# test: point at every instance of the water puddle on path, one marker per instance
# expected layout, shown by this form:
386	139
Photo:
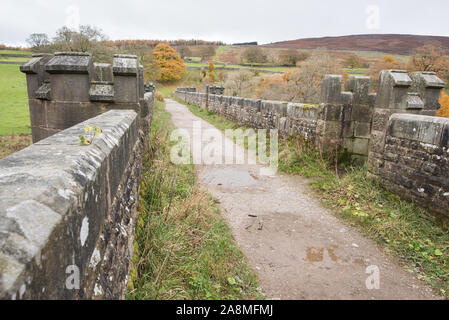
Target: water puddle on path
228	178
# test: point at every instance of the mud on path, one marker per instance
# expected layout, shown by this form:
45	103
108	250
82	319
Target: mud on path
297	247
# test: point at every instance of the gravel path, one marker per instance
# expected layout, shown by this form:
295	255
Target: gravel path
297	247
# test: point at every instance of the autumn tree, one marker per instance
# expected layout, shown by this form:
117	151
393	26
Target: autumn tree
184	51
386	63
211	67
430	58
389	59
171	66
254	55
207	52
303	84
444	102
291	57
353	61
238	83
151	69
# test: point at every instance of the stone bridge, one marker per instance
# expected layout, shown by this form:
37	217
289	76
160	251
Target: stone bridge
68	211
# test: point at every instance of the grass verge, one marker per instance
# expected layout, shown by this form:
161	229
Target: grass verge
405	230
183	247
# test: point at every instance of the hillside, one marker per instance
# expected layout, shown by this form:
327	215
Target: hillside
389	43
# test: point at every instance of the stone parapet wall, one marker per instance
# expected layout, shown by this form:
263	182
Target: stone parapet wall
68	212
353	120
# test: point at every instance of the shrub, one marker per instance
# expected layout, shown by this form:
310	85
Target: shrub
159	96
444	101
171	66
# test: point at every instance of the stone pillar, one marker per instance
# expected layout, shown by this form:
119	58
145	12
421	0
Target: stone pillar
126	68
37	78
333	105
400	93
357	122
428	86
68	88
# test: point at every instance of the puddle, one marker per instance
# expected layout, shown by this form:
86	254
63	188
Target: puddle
228	178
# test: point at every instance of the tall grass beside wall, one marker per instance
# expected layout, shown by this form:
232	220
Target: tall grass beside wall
183	247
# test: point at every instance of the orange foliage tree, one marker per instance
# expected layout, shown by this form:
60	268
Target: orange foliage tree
171	66
444	101
430	58
386	63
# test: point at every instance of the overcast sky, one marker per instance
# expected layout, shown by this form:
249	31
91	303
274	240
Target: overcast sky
226	20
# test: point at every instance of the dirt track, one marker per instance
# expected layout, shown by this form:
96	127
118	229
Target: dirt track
298	248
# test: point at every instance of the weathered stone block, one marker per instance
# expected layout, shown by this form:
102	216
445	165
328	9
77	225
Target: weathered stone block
70	62
331	89
362	129
428	86
393	89
360	146
360	87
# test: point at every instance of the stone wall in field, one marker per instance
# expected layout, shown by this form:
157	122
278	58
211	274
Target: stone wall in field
67	210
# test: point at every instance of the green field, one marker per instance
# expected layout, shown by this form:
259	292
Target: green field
26	53
19	59
14	113
236	66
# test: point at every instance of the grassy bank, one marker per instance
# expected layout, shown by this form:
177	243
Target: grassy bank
183	247
15	117
405	230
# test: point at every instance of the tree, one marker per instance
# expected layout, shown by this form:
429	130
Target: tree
386	63
444	101
211	67
238	83
430	58
37	40
254	55
171	66
291	57
303	84
87	39
207	52
353	61
389	59
151	69
184	51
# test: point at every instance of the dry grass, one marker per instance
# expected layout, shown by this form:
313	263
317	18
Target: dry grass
11	144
